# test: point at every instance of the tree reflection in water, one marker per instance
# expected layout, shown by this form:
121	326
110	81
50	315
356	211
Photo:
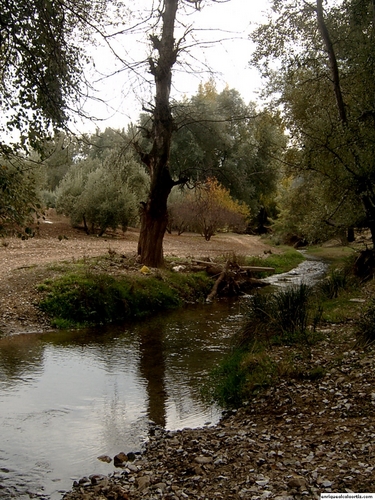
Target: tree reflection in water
152	368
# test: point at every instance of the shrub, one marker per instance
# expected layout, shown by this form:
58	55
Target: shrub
208	210
336	281
287	316
241	375
102	195
365	326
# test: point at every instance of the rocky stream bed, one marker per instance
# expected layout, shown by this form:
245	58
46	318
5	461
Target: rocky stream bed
297	440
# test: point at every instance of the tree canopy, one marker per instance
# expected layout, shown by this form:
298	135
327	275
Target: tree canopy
41	65
319	64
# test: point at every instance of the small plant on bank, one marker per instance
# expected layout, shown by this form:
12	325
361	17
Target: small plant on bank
239	376
284	317
337	281
365	326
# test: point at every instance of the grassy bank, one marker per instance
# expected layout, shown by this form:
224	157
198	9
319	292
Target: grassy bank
83	298
110	289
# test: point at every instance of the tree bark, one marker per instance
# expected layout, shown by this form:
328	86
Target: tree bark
154	215
332	61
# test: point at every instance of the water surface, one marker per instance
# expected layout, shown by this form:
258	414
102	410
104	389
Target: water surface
68	397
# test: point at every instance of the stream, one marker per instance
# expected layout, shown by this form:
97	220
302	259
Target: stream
68	397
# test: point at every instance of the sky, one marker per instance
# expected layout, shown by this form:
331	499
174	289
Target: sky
228	59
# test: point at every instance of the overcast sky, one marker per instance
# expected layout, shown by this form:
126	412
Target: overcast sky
228	59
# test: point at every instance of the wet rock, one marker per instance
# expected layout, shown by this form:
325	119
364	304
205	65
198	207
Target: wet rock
105	458
119	459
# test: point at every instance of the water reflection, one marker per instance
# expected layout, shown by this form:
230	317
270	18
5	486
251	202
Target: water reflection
71	396
152	369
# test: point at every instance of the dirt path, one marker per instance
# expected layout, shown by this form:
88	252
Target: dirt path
22	262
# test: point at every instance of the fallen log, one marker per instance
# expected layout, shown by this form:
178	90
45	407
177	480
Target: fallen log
222	275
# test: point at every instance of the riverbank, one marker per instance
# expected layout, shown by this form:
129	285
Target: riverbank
26	263
297	440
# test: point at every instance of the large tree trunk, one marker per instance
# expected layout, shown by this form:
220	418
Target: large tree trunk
154	219
154	215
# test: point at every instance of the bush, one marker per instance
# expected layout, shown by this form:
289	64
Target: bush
287	316
102	195
365	327
337	280
240	376
208	210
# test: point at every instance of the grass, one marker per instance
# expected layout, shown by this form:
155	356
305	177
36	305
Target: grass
282	262
337	254
241	374
280	337
83	298
284	317
365	327
337	290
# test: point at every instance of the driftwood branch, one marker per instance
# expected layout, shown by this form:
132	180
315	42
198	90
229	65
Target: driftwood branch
222	275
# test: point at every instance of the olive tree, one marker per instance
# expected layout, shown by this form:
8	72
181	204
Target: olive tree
103	195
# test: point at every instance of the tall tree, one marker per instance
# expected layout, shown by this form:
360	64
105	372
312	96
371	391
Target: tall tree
154	214
325	82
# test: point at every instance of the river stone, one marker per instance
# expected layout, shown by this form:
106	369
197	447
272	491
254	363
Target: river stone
297	482
160	486
119	459
326	484
105	458
203	460
143	482
132	467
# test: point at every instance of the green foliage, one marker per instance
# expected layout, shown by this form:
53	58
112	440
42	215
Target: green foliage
228	389
313	221
240	376
104	194
41	64
281	262
19	200
85	298
218	135
365	325
287	316
336	281
330	161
